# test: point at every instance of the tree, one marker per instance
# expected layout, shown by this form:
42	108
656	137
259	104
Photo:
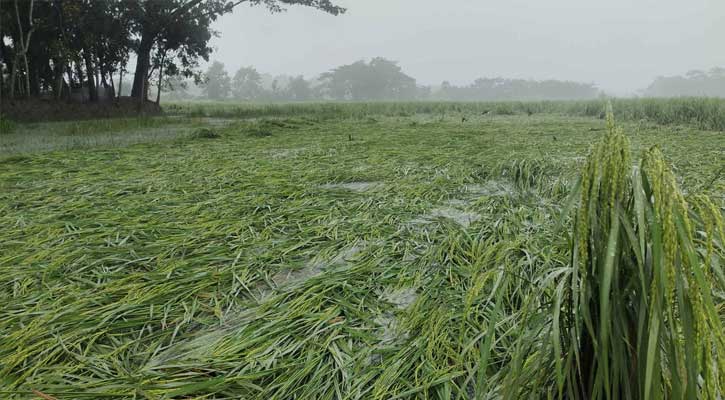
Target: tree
22	42
397	85
299	89
217	84
94	36
483	89
247	84
380	79
175	88
694	83
81	43
157	20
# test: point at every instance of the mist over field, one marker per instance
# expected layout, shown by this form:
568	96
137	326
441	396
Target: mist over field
620	45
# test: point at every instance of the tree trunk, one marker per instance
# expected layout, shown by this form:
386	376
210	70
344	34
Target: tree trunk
120	82
144	92
143	62
148	38
107	89
3	59
90	72
100	77
27	74
17	49
23	45
13	77
69	71
113	86
59	80
161	75
79	73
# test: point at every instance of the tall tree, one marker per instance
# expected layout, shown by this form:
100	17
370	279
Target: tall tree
298	89
24	34
694	83
175	88
79	44
247	84
158	19
380	79
484	89
217	84
95	35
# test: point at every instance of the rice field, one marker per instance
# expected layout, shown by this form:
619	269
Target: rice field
365	254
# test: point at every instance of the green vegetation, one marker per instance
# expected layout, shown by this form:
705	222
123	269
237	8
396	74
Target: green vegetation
383	251
702	113
45	42
378	79
694	83
639	316
120	132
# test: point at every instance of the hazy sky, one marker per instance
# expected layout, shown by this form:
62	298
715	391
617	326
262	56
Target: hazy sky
621	45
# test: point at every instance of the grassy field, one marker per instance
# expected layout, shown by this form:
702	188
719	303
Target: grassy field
365	251
104	133
702	113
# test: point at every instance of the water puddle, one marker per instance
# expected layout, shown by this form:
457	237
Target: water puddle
490	188
285	153
316	267
461	217
352	186
401	298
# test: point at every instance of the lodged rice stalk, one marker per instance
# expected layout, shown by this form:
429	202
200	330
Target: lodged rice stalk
127	276
636	317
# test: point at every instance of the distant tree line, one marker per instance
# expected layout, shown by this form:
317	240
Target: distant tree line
695	83
374	80
378	79
517	89
382	79
66	48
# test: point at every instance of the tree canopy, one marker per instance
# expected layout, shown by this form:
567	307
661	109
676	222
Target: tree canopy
247	84
382	79
67	46
517	89
379	79
217	85
695	83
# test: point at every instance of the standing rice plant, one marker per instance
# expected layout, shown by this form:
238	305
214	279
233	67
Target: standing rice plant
636	316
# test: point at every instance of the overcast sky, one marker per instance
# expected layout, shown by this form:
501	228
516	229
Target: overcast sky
621	45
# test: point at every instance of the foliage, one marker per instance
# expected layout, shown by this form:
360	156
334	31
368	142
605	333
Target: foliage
517	89
175	88
379	79
701	113
217	84
694	83
82	43
247	84
298	89
106	133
